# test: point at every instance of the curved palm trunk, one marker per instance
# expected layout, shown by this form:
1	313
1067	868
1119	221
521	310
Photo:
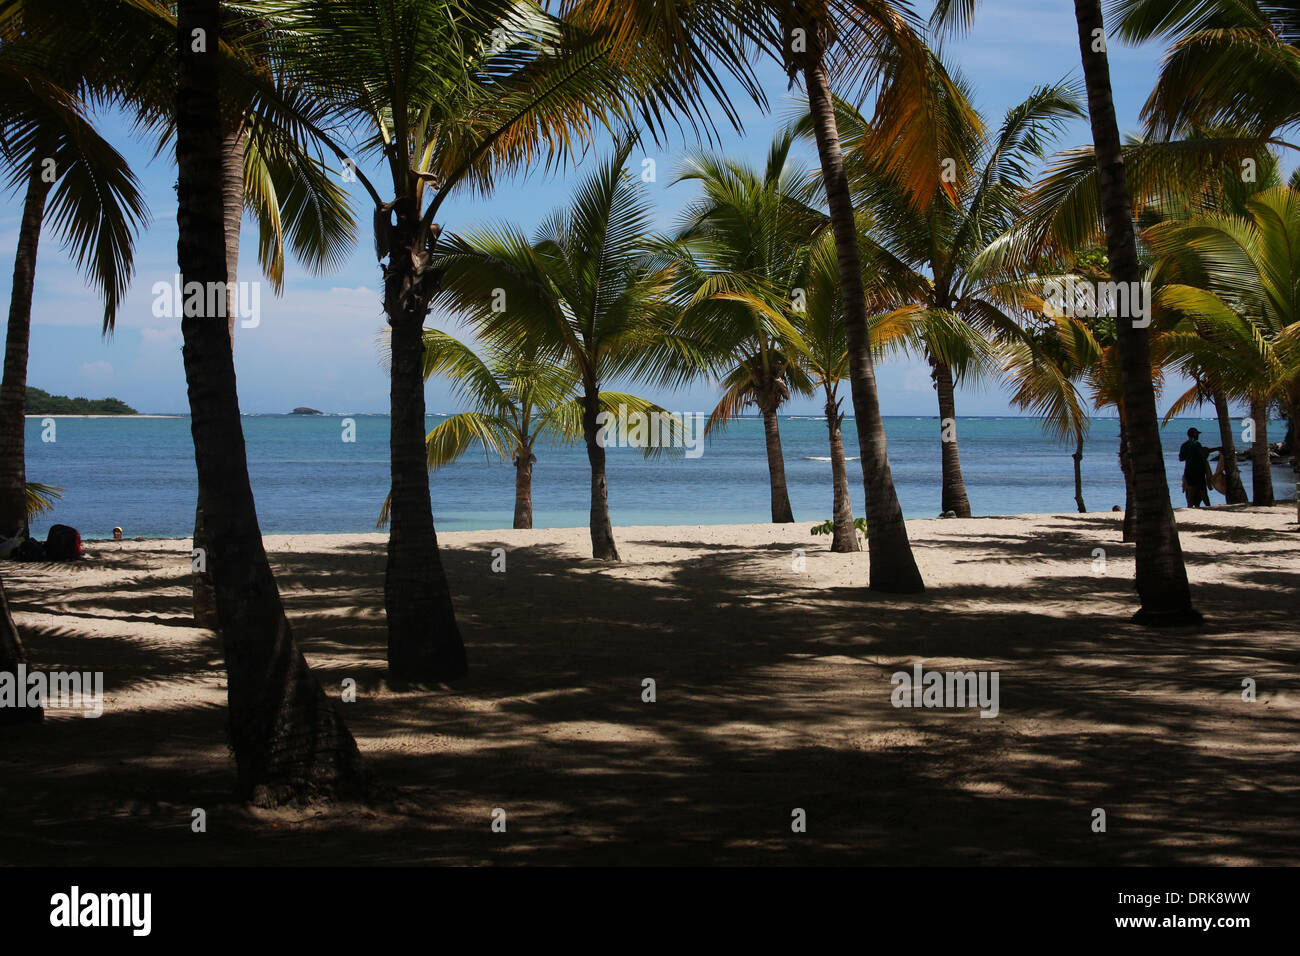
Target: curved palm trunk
844	538
1166	598
290	744
1261	468
1236	494
232	204
13	390
602	531
781	512
12	654
1078	474
524	462
954	485
893	568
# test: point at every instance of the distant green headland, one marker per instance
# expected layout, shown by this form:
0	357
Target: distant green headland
43	403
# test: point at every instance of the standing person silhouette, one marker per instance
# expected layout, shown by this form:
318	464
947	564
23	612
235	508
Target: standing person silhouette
1196	473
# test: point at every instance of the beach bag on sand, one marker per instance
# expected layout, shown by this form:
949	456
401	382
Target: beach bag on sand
1219	480
62	543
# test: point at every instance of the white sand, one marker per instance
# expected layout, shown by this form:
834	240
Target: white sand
773	693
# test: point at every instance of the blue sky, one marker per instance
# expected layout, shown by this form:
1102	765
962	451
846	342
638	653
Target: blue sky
316	344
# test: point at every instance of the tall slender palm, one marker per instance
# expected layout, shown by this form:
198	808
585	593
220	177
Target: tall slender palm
863	42
443	94
70	176
737	253
516	401
963	291
588	291
1161	574
820	324
289	742
814	40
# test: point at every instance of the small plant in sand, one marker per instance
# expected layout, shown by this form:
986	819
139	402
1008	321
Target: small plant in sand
828	527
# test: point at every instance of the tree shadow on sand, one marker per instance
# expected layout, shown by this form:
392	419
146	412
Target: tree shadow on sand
772	693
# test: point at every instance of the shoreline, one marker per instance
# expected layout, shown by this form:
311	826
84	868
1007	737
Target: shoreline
953	524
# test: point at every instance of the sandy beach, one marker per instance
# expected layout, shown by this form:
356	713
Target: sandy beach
773	693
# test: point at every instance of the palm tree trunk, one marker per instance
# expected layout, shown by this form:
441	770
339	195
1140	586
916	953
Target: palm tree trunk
1078	474
1166	598
1236	494
232	204
893	568
1293	402
13	390
954	485
844	538
1261	468
12	654
602	531
424	642
524	462
1126	468
290	744
781	512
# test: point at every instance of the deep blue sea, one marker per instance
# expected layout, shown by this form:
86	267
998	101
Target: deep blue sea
138	473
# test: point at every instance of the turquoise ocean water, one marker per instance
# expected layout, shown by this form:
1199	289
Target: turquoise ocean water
139	473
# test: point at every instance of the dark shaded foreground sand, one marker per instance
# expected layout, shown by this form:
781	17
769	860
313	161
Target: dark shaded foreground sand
773	691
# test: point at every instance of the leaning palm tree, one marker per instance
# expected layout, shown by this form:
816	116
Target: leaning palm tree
289	743
1161	577
737	253
587	292
964	294
444	94
71	178
517	401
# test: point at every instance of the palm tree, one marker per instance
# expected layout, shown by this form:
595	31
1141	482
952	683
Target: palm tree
516	401
269	171
864	37
587	292
445	95
1238	275
13	654
962	288
1232	63
737	256
1161	574
1044	368
864	42
820	325
289	743
71	175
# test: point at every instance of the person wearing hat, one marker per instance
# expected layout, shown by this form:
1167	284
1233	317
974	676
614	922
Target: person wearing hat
1196	473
